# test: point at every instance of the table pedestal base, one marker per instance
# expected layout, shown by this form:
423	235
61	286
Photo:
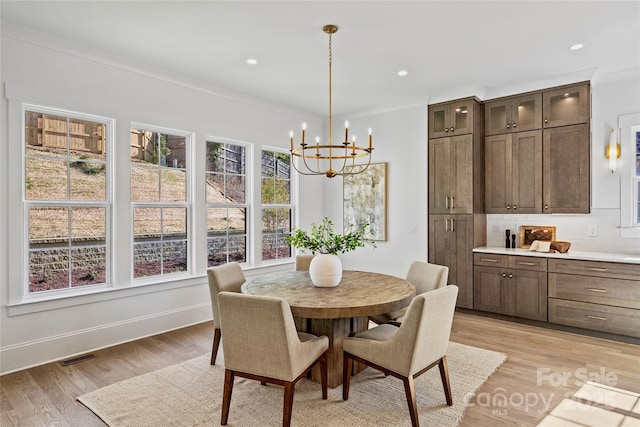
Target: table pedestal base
336	330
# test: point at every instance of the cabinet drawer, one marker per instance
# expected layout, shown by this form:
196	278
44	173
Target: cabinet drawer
528	263
615	270
616	320
600	290
491	260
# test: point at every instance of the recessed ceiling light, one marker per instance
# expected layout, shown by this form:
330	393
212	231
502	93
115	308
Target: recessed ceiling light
576	46
403	73
252	61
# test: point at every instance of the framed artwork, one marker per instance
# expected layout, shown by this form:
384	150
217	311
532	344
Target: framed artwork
365	200
529	233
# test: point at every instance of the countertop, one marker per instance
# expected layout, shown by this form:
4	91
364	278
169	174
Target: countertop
591	256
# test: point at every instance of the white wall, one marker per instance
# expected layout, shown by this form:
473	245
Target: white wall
400	140
59	76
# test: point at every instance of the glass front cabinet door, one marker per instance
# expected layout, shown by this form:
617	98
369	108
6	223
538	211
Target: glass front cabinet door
451	118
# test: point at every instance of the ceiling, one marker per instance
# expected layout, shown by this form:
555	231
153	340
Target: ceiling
446	46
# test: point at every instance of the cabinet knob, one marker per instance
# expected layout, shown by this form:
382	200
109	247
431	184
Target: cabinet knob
546	206
515	125
515	207
452	129
507	125
546	120
446	129
511	276
508	207
504	275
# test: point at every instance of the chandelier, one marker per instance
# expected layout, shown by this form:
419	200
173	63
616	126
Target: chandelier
338	159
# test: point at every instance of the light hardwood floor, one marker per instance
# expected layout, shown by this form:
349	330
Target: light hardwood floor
543	366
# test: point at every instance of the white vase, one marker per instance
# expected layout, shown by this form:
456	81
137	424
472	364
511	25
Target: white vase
325	270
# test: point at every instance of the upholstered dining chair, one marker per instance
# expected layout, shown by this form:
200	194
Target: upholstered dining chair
407	351
260	342
425	277
303	262
226	277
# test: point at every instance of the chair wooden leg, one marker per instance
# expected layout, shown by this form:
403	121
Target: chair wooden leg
347	363
288	404
410	391
226	395
444	374
216	343
323	375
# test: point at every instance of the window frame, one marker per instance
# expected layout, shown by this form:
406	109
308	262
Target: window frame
190	140
107	205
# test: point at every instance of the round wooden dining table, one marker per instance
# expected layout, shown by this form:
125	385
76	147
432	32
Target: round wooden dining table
335	312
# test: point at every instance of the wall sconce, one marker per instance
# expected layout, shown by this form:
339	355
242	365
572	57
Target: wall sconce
612	151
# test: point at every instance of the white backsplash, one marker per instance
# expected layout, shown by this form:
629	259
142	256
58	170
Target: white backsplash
571	228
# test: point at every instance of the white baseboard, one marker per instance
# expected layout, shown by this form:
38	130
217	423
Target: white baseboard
38	352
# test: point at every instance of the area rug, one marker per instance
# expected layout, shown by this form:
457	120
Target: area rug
190	394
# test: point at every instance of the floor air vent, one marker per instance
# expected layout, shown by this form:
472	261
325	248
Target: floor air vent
77	359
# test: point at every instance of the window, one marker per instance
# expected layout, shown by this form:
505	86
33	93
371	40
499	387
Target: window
277	206
159	195
629	125
226	198
67	199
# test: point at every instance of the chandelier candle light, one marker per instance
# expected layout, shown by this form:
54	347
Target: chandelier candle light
317	156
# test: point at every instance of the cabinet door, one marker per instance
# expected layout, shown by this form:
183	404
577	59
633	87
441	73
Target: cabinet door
497	117
526	113
461	196
461	265
566	106
526	172
439	247
439	120
565	169
490	292
451	244
440	179
461	113
497	169
528	294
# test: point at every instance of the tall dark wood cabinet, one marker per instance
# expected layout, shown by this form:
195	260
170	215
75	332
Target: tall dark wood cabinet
538	152
457	222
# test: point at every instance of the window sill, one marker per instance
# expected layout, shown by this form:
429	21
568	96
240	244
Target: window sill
103	293
630	233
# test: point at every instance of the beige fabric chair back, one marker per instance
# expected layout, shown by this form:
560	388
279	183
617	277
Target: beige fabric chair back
303	262
223	278
427	277
426	328
423	336
260	337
